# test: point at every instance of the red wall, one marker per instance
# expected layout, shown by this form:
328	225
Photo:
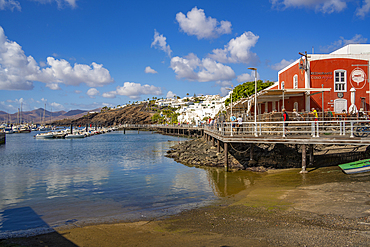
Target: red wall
322	73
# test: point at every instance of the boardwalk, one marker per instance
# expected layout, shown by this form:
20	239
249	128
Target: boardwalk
303	133
349	132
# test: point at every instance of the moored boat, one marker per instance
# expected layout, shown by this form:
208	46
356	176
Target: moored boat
356	166
75	135
48	135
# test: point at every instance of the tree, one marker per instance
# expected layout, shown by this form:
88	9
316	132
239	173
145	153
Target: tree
247	89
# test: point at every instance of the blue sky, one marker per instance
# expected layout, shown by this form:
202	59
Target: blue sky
85	54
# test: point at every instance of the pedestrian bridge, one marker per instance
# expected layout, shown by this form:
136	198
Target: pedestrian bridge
344	132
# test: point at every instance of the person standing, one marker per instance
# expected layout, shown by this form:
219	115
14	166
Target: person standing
285	118
240	124
314	113
232	121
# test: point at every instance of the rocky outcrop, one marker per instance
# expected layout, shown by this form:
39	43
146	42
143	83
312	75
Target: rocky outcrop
132	114
200	153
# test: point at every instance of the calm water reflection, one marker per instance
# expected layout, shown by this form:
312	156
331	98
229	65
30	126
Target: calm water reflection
115	177
103	178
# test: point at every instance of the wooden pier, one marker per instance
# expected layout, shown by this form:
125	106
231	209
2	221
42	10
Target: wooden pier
305	133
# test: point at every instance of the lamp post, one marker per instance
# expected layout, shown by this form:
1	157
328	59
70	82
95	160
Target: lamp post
255	101
231	114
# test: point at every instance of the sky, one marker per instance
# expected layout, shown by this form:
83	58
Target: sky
86	54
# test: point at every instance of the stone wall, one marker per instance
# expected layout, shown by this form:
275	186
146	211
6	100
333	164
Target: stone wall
2	138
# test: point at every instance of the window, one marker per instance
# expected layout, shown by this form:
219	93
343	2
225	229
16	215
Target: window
340	81
295	81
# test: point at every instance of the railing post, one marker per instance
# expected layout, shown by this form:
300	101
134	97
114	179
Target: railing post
260	129
283	129
231	128
313	129
352	130
344	128
317	125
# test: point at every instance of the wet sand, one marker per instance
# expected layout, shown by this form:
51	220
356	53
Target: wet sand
282	208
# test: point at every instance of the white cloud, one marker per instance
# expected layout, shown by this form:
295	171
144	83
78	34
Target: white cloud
61	71
224	91
245	77
170	94
133	90
60	3
237	50
224	83
149	70
92	92
357	39
10	4
160	43
325	6
57	106
78	91
110	95
17	71
196	23
282	64
193	69
364	9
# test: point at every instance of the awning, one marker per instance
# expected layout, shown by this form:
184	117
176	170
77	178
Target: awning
276	95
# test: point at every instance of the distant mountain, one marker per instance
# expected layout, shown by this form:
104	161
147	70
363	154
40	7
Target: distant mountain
41	116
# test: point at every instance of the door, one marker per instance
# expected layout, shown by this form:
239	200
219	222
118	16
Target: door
340	105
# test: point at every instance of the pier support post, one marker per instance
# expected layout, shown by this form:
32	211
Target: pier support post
310	155
124	131
71	129
213	141
218	146
226	152
303	159
251	152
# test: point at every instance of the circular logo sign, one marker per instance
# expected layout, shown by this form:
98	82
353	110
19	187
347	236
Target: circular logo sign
358	75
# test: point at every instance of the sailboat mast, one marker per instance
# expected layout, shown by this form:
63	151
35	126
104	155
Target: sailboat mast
43	122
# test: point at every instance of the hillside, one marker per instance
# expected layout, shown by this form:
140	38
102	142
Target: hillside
131	114
37	116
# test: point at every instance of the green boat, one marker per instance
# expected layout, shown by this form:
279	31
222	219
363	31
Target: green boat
356	166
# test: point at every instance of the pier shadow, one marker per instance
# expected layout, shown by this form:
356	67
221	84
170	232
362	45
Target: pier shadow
23	226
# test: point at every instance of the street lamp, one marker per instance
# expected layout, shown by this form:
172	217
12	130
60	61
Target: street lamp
231	114
255	100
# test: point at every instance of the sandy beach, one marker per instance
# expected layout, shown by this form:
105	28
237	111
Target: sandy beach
322	208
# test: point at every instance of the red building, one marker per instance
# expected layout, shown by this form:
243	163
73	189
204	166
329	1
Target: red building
337	81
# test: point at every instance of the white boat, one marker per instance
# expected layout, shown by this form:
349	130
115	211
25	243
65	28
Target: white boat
8	130
48	135
76	135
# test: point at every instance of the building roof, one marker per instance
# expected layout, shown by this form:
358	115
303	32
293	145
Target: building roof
353	49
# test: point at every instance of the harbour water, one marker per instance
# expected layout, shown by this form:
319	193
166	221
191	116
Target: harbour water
115	177
105	178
